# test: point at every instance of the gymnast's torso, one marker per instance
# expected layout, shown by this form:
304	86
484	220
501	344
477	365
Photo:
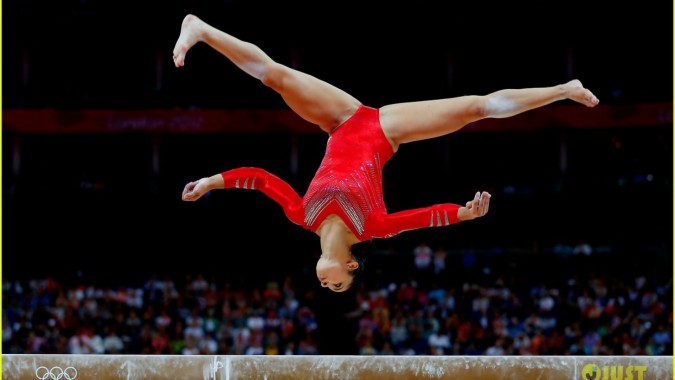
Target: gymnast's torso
348	182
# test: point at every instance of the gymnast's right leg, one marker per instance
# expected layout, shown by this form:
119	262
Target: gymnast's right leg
312	99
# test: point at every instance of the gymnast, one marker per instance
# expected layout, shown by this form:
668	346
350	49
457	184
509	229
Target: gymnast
343	204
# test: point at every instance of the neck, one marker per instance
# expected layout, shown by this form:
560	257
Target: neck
336	238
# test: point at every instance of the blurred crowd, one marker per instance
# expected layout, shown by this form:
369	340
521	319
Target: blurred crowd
432	310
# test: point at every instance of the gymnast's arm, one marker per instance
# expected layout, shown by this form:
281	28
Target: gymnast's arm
252	179
433	216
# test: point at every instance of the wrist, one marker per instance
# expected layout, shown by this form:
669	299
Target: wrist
215	182
464	214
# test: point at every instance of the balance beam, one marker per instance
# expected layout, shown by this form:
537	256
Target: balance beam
231	367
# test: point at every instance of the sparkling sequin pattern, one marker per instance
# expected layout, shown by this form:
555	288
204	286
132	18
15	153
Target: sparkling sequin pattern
347	184
358	193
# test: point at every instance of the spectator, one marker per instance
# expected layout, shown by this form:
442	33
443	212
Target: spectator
423	257
112	343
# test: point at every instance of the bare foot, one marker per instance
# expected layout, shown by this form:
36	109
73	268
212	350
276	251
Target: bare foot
579	94
189	35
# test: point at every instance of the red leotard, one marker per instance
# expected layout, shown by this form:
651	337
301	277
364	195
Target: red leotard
348	183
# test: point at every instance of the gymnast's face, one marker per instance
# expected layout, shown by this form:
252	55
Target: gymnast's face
334	275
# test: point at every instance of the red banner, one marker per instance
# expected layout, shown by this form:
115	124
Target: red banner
257	121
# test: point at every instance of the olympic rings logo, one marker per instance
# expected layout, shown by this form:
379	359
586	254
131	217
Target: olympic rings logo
56	373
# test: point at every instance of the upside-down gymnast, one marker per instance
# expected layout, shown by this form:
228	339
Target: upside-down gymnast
343	204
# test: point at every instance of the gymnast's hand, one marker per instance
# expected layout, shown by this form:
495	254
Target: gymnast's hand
475	208
195	190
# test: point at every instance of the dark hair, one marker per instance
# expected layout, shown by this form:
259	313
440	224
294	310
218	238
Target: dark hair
359	253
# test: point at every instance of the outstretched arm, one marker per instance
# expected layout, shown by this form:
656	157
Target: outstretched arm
252	179
433	216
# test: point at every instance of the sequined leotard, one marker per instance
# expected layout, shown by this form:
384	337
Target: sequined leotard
348	183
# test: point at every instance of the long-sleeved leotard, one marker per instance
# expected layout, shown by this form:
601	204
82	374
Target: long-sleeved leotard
348	183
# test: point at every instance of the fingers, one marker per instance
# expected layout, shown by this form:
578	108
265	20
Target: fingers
485	202
471	205
187	191
480	203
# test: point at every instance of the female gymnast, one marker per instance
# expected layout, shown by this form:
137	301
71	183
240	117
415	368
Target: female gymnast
343	204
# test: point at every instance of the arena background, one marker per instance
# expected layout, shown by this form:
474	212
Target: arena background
104	206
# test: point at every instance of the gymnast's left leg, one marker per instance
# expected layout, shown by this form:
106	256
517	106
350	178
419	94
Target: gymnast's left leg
406	122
